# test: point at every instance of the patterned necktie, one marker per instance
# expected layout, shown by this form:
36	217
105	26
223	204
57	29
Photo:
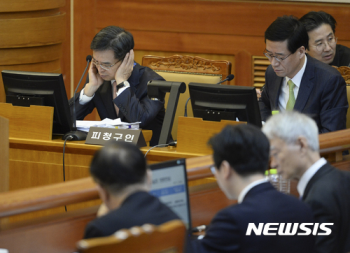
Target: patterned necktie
115	89
291	100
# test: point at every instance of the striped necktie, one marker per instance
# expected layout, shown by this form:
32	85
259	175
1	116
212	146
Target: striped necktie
291	100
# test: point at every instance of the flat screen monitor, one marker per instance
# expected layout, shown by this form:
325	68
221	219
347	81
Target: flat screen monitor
45	89
225	102
169	184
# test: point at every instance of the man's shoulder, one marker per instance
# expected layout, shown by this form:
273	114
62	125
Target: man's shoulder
321	69
327	182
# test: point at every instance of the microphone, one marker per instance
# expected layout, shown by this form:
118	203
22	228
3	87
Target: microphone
77	135
228	78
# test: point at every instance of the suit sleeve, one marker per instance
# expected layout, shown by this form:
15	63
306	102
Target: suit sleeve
223	235
81	110
135	105
334	105
264	101
92	232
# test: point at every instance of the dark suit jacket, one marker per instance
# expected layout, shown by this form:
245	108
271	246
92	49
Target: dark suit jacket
133	103
262	204
136	210
322	95
342	56
328	195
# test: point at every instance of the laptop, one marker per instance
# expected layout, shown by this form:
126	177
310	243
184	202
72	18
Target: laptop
169	184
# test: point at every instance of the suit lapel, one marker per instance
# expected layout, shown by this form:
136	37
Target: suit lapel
107	99
275	92
306	85
325	169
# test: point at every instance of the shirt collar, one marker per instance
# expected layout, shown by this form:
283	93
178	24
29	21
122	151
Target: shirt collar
297	78
246	189
309	173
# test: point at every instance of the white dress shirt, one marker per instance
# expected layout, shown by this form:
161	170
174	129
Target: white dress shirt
309	173
284	95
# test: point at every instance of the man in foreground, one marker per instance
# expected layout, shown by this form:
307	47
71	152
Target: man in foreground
320	27
296	81
241	156
123	182
295	154
117	86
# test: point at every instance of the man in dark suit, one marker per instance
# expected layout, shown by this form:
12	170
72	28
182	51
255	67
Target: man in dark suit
296	81
295	154
241	156
123	182
320	27
117	86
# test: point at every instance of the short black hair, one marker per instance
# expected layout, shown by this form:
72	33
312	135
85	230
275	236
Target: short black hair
288	28
118	165
113	38
313	20
244	147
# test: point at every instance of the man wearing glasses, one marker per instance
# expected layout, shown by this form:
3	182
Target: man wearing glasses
296	81
117	86
323	46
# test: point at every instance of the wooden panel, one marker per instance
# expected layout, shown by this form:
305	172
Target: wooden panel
15	56
34	122
194	133
4	154
246	18
29	5
32	31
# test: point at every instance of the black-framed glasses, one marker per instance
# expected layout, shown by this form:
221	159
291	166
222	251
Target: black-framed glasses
278	58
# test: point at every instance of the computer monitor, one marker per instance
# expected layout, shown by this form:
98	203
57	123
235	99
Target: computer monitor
224	102
45	89
169	184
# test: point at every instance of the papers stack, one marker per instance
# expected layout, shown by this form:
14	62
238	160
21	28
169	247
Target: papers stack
84	125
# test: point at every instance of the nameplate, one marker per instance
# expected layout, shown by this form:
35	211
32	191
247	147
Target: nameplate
100	135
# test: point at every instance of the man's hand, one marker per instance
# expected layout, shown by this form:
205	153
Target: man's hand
95	81
125	69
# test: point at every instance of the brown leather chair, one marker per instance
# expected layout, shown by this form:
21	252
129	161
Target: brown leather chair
187	69
166	238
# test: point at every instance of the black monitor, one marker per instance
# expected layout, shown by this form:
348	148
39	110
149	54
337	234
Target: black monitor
45	89
225	102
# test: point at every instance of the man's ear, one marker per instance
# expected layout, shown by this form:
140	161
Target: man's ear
301	51
303	144
225	169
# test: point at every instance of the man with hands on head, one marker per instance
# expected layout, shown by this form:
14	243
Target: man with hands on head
117	86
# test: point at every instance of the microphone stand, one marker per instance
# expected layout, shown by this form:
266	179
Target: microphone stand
76	135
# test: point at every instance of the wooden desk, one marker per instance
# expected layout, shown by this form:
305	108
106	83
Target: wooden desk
39	162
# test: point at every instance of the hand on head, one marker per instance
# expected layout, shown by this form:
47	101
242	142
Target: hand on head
125	69
95	81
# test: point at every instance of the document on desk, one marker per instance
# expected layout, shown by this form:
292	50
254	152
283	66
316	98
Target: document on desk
84	125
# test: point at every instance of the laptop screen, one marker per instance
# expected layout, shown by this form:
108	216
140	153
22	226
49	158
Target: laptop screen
169	184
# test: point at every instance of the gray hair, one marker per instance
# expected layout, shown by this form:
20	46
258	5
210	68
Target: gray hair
290	125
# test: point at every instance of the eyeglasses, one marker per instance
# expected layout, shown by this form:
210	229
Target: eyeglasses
321	45
278	58
102	65
213	170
